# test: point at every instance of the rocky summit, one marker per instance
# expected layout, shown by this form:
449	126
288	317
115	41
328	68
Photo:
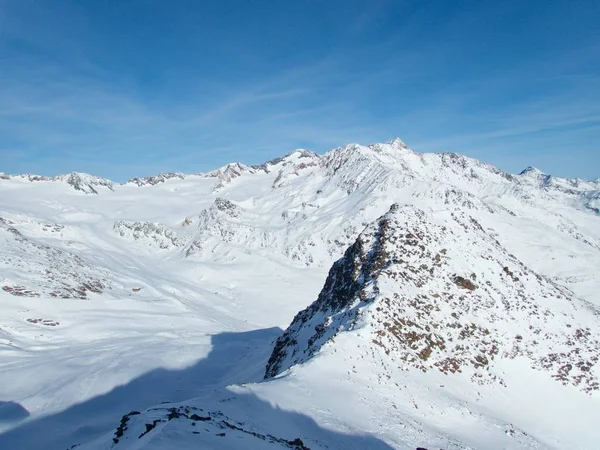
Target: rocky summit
435	291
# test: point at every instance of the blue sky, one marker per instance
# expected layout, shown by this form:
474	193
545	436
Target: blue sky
137	87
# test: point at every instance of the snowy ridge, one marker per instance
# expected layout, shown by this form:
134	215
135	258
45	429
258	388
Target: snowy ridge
227	174
295	155
436	291
161	178
378	165
88	184
207	428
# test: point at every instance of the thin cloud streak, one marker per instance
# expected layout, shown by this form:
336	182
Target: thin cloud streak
410	82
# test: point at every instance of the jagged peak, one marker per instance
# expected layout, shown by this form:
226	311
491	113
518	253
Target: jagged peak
301	153
155	179
292	156
532	171
397	142
230	167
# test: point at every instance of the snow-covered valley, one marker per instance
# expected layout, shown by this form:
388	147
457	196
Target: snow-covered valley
456	307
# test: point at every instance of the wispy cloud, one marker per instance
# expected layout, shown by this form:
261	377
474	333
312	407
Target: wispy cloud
54	114
66	112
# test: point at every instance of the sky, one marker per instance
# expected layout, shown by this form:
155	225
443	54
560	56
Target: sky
138	87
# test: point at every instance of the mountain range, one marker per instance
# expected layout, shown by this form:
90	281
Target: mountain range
370	297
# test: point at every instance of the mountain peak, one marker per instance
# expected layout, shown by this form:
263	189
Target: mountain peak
301	153
155	179
412	290
397	142
532	171
87	183
391	147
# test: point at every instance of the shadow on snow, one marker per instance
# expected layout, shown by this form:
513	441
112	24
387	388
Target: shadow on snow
235	358
12	411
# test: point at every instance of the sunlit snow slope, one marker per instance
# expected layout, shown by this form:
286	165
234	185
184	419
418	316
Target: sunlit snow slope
470	320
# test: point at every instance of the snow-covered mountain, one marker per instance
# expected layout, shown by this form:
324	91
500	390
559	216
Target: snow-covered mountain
433	291
456	299
436	291
83	182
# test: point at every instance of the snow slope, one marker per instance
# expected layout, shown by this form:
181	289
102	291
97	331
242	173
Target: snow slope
174	288
422	292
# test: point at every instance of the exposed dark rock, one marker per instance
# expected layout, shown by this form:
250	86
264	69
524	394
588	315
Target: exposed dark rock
464	283
123	426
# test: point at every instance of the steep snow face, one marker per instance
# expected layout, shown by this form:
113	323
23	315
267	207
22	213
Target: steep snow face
436	292
296	164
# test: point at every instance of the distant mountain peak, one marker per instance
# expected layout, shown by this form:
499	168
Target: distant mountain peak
155	179
532	171
397	142
302	153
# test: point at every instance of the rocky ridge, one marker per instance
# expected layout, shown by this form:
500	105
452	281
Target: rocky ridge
434	291
155	234
44	270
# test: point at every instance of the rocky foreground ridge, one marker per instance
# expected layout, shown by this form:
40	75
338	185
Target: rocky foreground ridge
435	291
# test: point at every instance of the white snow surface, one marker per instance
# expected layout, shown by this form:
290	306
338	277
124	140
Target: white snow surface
165	296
